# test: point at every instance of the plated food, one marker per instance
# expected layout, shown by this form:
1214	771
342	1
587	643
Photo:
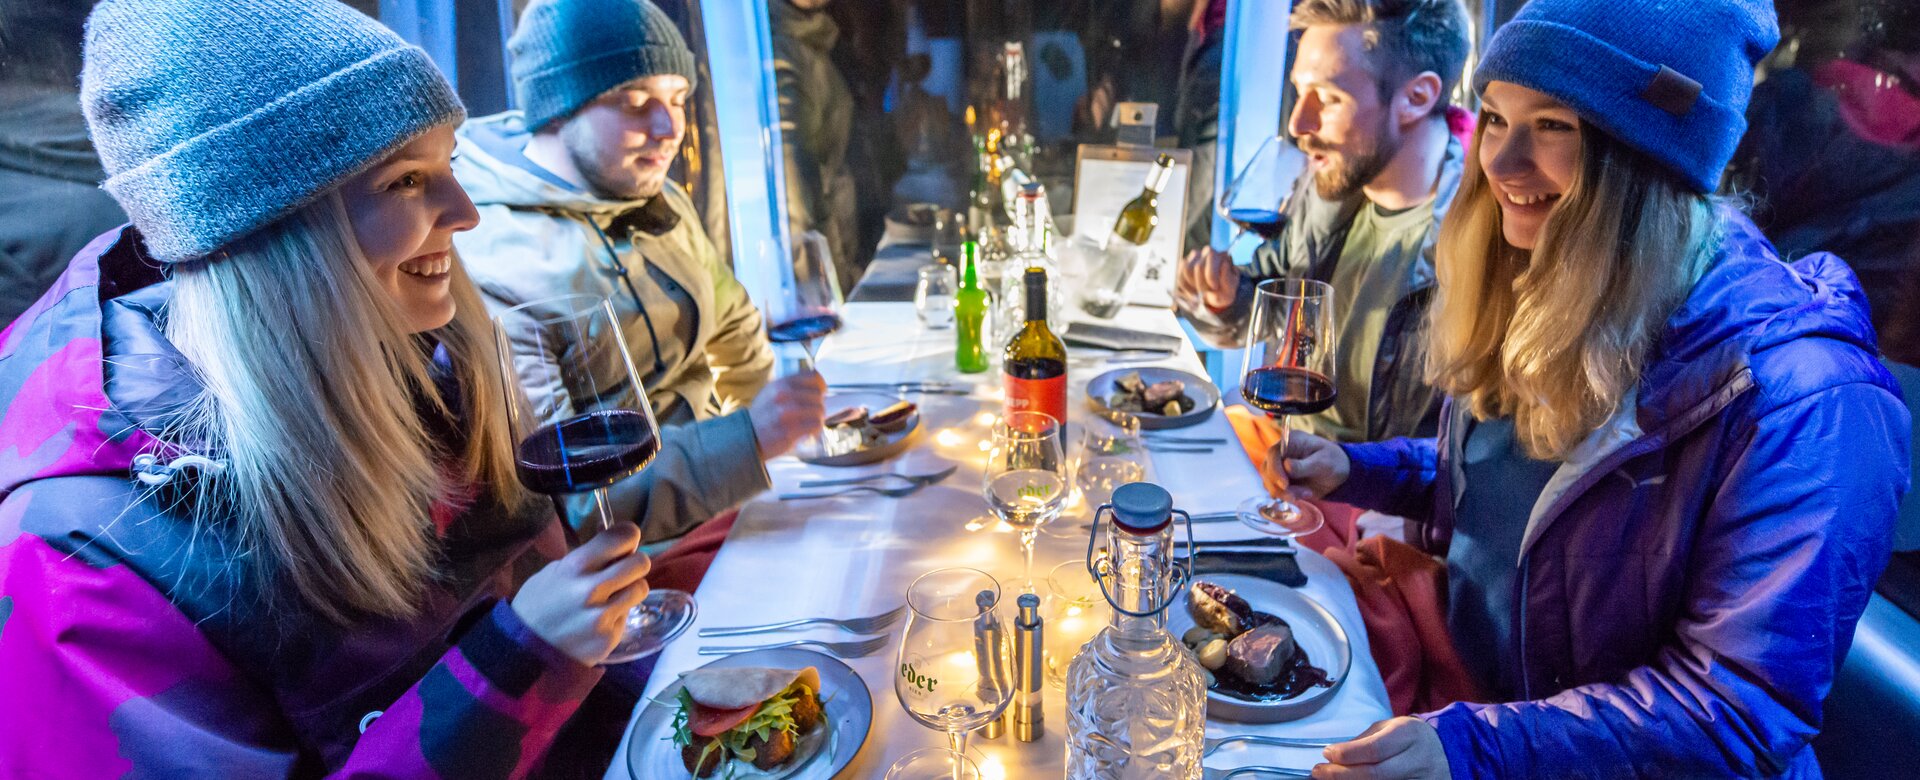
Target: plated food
754	716
1167	397
1161	398
1248	654
861	428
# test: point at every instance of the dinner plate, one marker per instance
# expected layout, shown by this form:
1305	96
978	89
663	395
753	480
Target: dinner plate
889	444
651	754
1203	393
1314	629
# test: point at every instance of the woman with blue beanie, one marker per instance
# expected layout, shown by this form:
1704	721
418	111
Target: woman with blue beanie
258	516
1665	480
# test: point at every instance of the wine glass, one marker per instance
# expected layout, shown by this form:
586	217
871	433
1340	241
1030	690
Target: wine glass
808	306
595	428
933	293
1111	454
954	672
1289	370
1025	481
1256	200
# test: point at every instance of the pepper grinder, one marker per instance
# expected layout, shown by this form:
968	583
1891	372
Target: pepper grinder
1029	663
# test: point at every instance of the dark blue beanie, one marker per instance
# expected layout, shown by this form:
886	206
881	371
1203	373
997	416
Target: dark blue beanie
568	52
1670	78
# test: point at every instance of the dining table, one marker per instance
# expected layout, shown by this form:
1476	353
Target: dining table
856	555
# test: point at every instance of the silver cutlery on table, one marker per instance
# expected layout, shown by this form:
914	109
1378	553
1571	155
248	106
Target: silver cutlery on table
1156	438
916	479
1270	546
1175	449
1251	772
889	492
1211	744
860	649
932	388
1199	519
860	625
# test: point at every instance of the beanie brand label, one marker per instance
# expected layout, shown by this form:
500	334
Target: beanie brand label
1672	92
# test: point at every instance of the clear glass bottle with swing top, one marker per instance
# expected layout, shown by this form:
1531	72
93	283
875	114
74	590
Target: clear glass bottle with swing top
1136	701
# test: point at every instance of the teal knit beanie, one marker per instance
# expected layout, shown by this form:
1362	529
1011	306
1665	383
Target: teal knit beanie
216	117
1670	78
568	52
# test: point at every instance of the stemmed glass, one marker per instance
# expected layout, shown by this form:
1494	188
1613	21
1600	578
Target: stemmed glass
594	428
1111	454
808	306
1025	482
1256	200
1289	370
954	672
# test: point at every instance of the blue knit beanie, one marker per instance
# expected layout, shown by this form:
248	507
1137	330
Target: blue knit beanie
568	52
216	117
1670	78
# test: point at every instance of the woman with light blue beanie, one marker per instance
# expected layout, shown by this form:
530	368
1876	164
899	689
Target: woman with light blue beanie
258	514
1668	464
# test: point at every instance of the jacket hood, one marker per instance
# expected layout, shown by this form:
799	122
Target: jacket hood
86	375
1794	328
42	132
493	167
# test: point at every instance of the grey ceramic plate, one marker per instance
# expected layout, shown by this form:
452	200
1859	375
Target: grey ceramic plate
1314	628
1205	396
889	445
652	756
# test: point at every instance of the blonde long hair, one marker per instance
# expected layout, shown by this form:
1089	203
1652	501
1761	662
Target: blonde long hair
1557	337
312	394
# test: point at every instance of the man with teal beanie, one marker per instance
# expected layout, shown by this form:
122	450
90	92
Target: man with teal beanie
574	198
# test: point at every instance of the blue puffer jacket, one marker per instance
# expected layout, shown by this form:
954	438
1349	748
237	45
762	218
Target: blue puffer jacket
1690	578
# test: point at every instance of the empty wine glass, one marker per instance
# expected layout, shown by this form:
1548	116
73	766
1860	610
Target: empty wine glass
1256	200
953	672
933	296
807	308
1025	480
1111	454
589	427
1289	370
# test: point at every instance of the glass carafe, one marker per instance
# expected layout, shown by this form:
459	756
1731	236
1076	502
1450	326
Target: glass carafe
1136	701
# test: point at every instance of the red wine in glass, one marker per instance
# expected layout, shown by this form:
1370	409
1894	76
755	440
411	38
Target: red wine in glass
587	452
1285	391
1264	223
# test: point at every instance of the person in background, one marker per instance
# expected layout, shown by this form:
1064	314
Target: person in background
574	198
51	203
1668	466
1374	78
1833	157
816	126
259	516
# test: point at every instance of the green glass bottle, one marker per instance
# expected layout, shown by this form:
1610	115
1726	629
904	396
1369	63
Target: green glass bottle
970	314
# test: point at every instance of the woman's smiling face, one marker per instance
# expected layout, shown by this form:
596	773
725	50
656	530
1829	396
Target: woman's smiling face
1530	150
404	212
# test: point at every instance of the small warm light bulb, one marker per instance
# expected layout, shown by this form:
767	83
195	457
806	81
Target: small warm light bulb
992	769
983	419
947	437
985	446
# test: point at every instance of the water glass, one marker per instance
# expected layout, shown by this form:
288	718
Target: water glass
1111	454
1075	612
933	296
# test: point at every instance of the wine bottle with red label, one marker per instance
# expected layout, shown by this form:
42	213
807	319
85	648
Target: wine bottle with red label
1036	360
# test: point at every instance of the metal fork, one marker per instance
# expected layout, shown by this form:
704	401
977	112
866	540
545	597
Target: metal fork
917	479
1207	746
862	625
889	492
860	649
1209	773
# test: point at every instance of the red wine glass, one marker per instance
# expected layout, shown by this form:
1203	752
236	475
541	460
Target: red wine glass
1256	199
1289	370
583	423
807	308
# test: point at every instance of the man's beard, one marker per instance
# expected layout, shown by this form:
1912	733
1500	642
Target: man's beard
1352	169
610	175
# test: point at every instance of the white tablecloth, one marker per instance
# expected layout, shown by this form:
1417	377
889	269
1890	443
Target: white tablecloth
857	555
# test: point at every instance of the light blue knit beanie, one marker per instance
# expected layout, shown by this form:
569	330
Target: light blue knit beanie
216	117
1670	78
568	52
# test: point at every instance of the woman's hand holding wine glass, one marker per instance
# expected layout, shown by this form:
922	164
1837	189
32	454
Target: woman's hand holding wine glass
1310	466
579	604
